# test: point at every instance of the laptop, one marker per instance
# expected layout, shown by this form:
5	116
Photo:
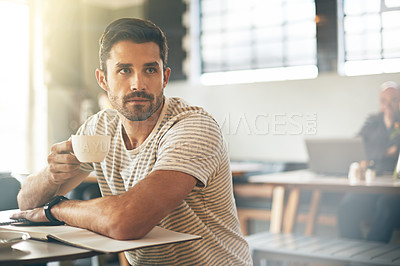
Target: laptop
333	156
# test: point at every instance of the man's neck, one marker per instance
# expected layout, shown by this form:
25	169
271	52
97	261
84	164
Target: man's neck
134	133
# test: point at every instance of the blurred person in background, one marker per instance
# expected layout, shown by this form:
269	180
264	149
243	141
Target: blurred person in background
381	132
381	136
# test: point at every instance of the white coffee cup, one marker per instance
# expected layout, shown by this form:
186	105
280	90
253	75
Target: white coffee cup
91	149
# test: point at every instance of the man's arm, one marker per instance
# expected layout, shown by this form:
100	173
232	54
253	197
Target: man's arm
60	176
127	216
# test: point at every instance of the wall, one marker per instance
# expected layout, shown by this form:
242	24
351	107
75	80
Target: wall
261	121
62	65
269	121
71	45
94	20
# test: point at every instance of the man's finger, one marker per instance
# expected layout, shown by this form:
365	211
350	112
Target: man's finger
64	158
59	178
63	168
35	215
62	147
18	215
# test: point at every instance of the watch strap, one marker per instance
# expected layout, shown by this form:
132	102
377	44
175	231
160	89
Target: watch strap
47	209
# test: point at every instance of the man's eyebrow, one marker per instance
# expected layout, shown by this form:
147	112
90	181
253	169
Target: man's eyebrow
151	64
123	65
127	65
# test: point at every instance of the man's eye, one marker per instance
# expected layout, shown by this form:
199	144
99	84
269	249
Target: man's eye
124	71
151	70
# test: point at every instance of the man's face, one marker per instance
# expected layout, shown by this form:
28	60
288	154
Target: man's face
389	100
135	80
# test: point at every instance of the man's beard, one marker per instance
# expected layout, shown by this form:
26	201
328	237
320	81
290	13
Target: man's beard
140	112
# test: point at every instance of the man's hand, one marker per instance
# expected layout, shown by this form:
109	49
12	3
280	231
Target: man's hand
60	176
392	151
63	164
36	215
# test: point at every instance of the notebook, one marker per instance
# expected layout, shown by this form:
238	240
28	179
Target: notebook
83	238
333	156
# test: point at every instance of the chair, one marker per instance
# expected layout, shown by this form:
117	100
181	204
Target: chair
255	203
9	188
249	193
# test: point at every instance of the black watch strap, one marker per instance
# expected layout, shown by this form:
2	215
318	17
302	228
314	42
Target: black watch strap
49	205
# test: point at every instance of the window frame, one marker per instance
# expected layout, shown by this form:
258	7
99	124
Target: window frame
256	72
377	65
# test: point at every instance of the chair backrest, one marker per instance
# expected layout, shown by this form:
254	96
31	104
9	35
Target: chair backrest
9	188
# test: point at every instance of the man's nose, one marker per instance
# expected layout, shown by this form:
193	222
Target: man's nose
136	82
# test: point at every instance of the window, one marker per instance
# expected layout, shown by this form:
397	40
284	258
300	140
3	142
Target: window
371	36
257	40
14	71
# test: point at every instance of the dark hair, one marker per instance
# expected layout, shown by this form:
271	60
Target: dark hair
135	30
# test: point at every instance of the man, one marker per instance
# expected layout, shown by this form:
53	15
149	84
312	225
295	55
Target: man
167	165
381	132
381	135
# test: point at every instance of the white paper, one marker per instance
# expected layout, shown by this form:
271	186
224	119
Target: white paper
87	239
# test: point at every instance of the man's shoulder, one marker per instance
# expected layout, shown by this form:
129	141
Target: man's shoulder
192	119
373	123
110	114
104	116
103	121
180	104
375	118
179	108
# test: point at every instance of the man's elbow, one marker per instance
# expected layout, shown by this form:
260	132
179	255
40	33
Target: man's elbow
127	231
22	203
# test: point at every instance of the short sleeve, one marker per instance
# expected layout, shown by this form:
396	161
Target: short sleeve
192	145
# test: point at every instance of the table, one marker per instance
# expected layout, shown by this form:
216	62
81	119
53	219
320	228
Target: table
320	251
35	251
296	181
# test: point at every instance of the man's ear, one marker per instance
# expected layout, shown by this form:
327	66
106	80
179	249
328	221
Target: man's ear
101	79
167	73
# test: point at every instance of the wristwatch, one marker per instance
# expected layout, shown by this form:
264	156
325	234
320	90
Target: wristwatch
47	209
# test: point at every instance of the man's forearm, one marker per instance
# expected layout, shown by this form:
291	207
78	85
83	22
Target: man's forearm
129	215
36	190
132	214
100	215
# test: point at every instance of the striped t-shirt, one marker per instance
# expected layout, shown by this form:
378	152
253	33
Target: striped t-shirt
186	139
